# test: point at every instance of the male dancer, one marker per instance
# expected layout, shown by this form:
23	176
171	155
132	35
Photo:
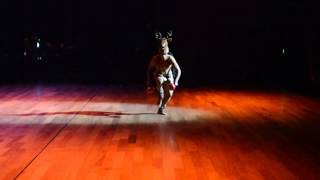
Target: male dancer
161	65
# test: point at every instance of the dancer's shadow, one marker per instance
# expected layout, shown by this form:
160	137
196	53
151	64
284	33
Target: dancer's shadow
86	113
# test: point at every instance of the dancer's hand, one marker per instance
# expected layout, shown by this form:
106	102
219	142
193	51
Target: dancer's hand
172	86
149	90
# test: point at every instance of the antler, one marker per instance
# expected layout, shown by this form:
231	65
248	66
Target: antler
169	34
158	35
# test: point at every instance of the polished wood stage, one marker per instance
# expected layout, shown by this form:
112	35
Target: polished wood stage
79	132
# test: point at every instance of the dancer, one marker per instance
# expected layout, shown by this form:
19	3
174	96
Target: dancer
161	67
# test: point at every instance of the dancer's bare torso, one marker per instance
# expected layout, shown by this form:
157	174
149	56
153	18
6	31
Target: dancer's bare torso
162	64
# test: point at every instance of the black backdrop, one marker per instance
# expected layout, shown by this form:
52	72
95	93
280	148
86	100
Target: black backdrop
215	42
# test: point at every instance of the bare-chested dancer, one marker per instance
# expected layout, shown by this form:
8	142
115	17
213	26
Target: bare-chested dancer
161	65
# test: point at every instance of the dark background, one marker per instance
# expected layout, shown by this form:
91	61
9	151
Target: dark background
217	42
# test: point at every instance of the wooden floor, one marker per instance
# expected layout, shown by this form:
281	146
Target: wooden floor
77	132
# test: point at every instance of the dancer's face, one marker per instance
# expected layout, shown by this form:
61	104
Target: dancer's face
163	43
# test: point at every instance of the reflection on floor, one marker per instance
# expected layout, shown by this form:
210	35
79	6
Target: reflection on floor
78	132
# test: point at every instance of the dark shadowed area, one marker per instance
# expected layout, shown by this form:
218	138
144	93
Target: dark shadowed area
215	42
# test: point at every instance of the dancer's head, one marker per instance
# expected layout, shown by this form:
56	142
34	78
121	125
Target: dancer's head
164	41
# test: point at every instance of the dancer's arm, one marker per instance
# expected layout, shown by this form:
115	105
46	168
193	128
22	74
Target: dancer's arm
176	65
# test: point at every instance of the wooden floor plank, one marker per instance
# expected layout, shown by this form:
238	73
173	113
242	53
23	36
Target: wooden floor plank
24	134
112	133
